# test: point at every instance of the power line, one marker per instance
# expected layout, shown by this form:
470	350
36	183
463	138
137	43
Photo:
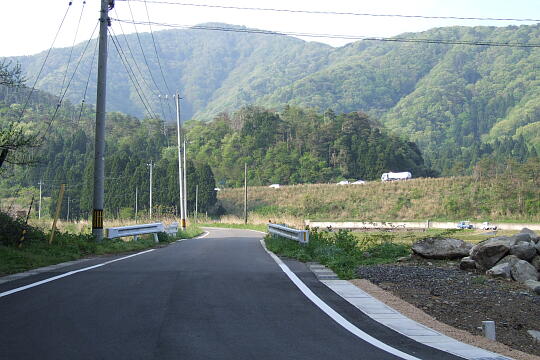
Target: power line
45	60
69	82
133	58
159	64
314	12
71	51
337	36
88	80
131	74
141	47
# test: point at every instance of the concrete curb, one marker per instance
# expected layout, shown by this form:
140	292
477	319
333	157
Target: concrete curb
398	322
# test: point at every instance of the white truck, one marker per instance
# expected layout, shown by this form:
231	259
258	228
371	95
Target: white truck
393	176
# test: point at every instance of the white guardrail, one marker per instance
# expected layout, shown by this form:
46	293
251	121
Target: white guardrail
141	229
302	236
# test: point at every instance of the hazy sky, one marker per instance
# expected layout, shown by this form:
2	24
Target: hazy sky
29	26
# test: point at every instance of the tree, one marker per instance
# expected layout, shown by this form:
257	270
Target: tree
12	136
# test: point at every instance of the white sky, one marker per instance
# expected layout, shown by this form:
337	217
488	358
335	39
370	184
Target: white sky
29	26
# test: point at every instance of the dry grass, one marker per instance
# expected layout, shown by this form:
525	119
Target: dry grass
417	199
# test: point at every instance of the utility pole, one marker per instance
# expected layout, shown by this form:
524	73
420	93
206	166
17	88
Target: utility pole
196	201
245	193
185	185
151	166
180	173
136	202
99	154
68	209
39	209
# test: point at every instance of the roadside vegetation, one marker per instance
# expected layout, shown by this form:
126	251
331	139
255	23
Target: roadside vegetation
341	251
35	251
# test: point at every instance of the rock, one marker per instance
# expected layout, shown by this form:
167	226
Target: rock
521	237
533	285
536	262
523	250
501	271
535	335
436	248
538	247
404	258
467	264
511	259
523	271
486	254
534	237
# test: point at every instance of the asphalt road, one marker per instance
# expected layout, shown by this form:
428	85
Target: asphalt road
220	297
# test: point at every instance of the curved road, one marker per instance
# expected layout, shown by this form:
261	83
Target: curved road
218	297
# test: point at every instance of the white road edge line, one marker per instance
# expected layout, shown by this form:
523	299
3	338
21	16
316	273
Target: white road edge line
9	292
333	314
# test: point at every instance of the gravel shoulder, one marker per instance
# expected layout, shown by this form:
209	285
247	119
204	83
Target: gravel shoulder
455	302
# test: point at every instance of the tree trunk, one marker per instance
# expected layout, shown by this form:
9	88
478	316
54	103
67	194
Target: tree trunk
3	156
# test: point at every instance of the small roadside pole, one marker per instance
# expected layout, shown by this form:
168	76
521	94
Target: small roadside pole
245	194
57	213
26	222
196	201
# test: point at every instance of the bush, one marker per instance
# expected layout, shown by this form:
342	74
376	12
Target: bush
341	251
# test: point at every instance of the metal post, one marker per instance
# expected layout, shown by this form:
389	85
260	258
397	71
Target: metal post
196	201
151	166
180	173
185	187
136	202
245	194
39	210
99	154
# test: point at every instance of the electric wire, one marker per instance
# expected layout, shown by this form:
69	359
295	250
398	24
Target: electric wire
315	12
71	50
142	77
344	37
131	74
159	63
44	61
141	47
59	104
87	81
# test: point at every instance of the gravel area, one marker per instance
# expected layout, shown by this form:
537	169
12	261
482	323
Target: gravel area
463	300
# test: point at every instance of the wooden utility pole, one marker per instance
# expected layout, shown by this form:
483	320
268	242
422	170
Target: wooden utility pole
151	168
57	213
99	152
245	194
196	201
180	172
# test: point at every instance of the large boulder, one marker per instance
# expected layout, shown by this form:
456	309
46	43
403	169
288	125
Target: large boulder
538	247
521	237
536	262
501	271
533	285
467	263
437	248
487	253
534	237
511	259
523	250
523	271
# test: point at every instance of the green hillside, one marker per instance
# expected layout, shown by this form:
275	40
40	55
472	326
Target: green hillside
458	102
509	192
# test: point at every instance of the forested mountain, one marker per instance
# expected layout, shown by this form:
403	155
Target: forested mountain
290	147
458	102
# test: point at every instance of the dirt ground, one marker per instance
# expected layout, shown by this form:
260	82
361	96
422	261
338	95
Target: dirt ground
463	300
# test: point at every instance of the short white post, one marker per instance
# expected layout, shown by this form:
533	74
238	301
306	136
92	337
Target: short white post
488	329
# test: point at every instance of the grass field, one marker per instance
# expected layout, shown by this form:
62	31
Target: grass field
440	199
